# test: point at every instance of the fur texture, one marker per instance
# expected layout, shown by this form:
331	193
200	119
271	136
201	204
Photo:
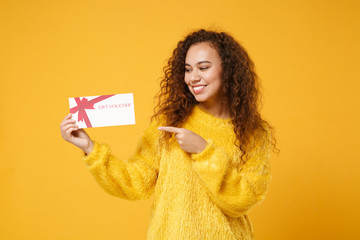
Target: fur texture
197	196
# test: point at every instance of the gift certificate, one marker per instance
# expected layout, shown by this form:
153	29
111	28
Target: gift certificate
103	110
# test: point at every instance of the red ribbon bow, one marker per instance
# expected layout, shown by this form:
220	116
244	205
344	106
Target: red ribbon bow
85	104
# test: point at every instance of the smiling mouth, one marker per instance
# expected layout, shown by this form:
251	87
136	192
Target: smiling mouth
198	89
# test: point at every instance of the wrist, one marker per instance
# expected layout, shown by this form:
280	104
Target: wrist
203	146
89	149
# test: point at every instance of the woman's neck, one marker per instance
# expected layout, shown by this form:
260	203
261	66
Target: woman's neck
217	110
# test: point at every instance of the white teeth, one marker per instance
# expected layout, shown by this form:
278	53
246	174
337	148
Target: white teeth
198	88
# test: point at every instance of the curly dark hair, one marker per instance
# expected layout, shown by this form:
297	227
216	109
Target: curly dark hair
240	90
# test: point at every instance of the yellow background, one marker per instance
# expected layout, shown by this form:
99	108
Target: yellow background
306	54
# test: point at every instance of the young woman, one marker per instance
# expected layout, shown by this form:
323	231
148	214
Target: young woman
206	152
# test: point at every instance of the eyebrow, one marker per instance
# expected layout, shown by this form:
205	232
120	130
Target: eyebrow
186	64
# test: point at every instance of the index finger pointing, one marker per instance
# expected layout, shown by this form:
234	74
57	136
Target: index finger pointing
169	129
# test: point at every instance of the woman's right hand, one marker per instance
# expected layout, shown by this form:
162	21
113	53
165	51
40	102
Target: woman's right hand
71	133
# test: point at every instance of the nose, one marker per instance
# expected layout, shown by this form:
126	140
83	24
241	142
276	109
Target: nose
195	77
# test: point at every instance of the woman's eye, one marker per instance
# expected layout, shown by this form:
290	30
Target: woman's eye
203	68
187	70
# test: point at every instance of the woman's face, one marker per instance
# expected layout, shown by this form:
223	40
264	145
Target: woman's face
203	73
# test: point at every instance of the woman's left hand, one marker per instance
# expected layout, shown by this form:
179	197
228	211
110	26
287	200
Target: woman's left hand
188	141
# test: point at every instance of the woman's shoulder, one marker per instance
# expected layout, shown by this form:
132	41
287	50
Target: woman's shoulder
263	137
152	129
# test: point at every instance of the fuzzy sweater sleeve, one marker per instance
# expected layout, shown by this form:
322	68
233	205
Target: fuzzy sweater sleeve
234	190
132	179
